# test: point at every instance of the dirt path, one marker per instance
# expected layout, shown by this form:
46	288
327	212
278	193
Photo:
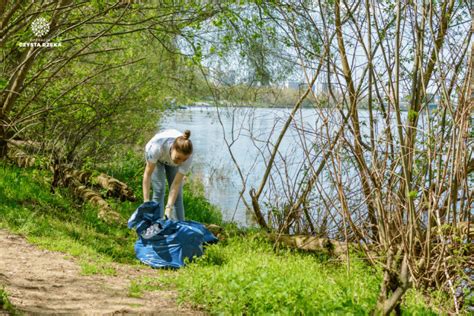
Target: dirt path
46	282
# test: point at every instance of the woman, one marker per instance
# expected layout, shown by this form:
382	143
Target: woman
168	157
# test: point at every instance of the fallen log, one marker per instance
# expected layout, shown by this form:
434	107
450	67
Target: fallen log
310	243
115	187
82	176
20	158
106	213
25	145
338	248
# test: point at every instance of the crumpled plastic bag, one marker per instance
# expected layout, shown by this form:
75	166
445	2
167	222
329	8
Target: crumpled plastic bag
164	243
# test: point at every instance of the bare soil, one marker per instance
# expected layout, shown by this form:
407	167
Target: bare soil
46	282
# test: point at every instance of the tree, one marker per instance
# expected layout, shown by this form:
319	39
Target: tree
69	93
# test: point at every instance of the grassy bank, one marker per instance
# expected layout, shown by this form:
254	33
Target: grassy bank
245	275
242	274
5	305
60	222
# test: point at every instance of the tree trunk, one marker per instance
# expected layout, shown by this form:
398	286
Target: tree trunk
394	286
354	117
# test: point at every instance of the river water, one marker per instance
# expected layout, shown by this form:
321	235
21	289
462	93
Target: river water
247	131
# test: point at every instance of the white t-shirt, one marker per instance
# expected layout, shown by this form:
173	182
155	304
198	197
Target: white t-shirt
158	149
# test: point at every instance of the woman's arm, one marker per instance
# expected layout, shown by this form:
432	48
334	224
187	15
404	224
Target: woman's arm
146	184
173	192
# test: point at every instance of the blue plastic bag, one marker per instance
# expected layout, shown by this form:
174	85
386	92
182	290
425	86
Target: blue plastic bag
166	243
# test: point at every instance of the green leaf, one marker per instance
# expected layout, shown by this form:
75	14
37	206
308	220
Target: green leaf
3	83
412	194
412	114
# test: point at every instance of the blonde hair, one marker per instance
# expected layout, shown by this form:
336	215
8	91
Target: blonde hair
183	144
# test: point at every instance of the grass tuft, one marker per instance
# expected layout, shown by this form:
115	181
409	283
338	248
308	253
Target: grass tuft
6	305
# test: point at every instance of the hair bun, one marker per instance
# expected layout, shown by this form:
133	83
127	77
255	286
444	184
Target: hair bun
187	134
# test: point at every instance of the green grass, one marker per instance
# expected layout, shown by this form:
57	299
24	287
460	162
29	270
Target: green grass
198	208
97	267
414	303
246	275
5	304
56	222
240	275
140	285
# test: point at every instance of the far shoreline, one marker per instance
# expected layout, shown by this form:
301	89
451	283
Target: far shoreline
257	106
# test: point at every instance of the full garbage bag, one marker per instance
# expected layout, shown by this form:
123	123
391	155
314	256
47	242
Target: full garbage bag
164	243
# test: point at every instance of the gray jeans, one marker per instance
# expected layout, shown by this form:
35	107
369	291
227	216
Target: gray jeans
162	173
